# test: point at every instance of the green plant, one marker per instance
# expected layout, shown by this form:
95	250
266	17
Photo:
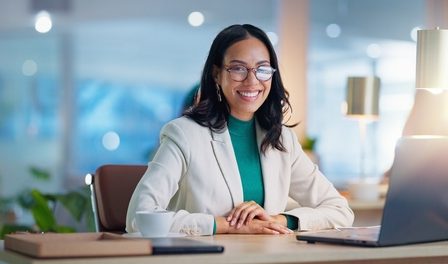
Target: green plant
309	143
41	206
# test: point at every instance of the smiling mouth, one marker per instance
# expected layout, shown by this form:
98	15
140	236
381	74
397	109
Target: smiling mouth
252	94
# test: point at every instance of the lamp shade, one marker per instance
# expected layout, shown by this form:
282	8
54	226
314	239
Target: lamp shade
363	97
432	59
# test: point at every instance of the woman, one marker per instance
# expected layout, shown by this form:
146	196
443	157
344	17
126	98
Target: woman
229	164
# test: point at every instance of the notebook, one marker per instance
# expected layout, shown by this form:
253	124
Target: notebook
416	207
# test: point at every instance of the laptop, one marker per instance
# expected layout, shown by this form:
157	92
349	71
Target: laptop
182	245
416	207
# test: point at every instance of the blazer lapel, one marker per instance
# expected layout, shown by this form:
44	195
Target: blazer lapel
269	166
225	155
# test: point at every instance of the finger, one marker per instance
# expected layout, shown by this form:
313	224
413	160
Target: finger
258	227
238	210
258	212
243	216
236	214
230	216
261	214
279	228
262	227
273	229
255	211
233	212
267	230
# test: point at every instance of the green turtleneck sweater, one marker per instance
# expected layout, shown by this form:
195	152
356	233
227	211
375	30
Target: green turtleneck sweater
244	141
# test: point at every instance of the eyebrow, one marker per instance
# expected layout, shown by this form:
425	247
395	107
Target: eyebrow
243	62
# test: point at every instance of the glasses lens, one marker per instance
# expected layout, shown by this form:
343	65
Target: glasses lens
264	73
238	73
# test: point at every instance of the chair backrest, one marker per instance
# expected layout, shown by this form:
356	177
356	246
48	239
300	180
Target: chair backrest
111	187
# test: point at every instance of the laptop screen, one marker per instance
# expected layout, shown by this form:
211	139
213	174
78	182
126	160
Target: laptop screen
416	207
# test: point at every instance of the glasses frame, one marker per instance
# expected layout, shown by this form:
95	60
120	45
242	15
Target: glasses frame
254	70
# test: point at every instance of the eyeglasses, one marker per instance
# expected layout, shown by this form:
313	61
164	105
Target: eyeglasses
239	73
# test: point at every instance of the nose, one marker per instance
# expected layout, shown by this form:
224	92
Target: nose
251	77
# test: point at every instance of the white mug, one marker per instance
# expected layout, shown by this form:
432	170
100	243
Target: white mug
154	223
365	190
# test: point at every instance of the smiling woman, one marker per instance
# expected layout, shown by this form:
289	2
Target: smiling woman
230	163
245	89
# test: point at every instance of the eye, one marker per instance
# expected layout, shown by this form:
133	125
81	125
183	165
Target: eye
238	68
265	69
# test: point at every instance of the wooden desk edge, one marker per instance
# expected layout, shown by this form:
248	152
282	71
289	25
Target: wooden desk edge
270	249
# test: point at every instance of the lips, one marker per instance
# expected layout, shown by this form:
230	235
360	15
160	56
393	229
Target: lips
251	94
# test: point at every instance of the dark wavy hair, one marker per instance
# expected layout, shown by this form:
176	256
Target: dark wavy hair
212	113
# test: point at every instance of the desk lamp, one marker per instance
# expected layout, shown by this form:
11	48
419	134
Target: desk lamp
432	59
363	105
429	114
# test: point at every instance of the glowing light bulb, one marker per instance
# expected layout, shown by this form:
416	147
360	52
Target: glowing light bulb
196	19
333	30
43	23
29	68
111	141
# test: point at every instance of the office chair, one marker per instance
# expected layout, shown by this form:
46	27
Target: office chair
111	188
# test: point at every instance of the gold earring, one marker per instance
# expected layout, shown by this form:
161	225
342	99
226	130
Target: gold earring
218	92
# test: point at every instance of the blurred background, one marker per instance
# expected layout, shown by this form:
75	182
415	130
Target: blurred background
85	83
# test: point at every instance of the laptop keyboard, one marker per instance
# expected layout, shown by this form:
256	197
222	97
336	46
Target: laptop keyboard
362	233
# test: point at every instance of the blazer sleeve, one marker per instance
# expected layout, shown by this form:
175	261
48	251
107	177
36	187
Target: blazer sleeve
161	182
321	205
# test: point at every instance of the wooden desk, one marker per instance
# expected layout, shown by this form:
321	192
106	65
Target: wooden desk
367	213
271	249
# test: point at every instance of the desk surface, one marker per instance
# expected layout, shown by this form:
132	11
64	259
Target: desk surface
271	249
371	205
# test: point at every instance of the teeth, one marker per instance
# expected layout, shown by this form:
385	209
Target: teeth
249	94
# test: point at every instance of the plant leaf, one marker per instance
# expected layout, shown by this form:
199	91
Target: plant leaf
75	202
40	174
63	229
42	213
25	199
309	143
8	229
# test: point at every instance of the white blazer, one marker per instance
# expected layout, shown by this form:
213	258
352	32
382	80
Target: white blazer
195	174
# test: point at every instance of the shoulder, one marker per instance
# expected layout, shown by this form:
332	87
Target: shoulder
182	122
290	141
184	127
288	136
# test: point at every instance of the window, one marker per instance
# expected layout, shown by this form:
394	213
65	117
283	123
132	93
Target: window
358	38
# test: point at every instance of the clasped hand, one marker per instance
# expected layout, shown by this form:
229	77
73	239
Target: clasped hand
250	217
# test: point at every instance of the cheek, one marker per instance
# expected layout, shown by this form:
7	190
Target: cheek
267	89
228	86
224	82
228	89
